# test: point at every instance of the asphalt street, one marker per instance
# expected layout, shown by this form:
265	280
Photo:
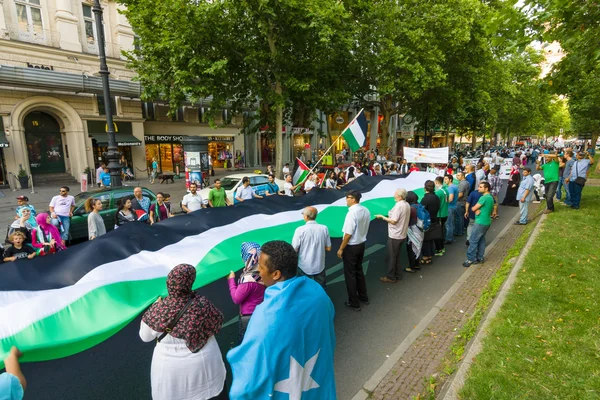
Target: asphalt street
119	368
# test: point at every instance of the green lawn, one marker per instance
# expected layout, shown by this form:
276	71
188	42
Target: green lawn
545	341
595	169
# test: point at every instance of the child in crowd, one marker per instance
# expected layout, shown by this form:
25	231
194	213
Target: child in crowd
18	250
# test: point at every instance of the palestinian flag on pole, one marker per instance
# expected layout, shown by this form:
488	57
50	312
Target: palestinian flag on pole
356	132
301	172
62	304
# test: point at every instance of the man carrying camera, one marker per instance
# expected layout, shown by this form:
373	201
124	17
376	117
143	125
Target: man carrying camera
578	177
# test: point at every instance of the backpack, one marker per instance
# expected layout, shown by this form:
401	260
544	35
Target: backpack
423	218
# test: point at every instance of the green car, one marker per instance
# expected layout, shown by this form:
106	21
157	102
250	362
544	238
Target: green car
110	198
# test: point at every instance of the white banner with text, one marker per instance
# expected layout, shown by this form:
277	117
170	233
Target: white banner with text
437	156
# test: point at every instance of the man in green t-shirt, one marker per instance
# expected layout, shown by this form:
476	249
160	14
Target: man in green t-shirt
442	193
217	196
551	178
484	210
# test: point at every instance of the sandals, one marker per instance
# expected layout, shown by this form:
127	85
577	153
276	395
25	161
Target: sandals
412	271
424	261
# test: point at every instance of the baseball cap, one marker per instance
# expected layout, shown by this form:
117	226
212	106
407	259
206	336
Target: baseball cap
23	198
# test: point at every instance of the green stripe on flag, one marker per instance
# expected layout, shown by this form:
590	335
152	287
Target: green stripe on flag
115	305
351	140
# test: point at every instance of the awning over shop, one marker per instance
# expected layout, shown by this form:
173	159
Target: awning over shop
123	139
123	133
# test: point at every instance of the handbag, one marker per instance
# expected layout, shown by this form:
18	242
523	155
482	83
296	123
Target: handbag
172	324
434	232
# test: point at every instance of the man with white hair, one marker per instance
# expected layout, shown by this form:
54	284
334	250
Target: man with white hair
311	241
397	219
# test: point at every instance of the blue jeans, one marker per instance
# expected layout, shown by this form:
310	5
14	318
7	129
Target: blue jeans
567	193
524	211
575	192
450	224
476	249
459	219
561	183
66	223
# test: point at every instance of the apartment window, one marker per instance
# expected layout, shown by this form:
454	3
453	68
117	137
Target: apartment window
89	24
178	116
29	15
148	111
102	107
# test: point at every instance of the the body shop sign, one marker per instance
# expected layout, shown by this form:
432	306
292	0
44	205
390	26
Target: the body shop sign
163	138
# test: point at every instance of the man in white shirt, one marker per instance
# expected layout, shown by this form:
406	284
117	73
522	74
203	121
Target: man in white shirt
192	201
311	241
61	209
398	220
245	191
310	183
352	250
288	188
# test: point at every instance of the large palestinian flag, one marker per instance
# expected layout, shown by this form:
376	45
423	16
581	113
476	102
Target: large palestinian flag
59	305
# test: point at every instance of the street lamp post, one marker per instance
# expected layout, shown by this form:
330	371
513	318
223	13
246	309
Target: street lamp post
113	153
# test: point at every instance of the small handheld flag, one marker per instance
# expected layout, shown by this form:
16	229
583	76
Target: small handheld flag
355	133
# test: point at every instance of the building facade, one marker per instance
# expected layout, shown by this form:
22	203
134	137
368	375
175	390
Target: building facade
52	116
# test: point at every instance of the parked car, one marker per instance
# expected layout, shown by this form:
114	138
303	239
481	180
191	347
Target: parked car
231	183
110	198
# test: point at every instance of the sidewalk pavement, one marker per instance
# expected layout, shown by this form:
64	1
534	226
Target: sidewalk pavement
406	372
43	194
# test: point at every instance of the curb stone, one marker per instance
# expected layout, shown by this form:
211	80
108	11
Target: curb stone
370	385
453	386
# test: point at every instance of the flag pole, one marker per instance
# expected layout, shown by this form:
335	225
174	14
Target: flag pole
330	147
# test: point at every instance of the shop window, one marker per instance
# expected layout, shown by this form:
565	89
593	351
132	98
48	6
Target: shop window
89	24
29	16
220	152
102	107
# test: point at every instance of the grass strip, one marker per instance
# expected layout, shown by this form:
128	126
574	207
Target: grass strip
595	169
468	330
545	341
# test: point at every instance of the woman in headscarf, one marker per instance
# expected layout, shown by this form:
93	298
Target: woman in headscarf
249	291
415	235
187	363
26	223
510	199
46	237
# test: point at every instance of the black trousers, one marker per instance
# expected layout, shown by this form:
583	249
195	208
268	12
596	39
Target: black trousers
354	274
394	247
439	243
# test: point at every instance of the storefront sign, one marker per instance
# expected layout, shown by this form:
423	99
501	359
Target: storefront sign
39	66
163	139
221	138
302	131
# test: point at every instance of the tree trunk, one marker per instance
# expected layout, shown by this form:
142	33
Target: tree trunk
386	109
279	133
474	139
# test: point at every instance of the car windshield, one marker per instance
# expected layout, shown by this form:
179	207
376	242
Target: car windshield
229	183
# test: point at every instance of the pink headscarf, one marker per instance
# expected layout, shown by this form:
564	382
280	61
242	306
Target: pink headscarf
49	228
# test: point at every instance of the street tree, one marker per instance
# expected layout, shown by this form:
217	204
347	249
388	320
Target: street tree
276	52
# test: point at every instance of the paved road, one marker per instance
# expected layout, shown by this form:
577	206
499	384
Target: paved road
119	368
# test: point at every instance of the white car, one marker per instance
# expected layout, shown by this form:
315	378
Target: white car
231	183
